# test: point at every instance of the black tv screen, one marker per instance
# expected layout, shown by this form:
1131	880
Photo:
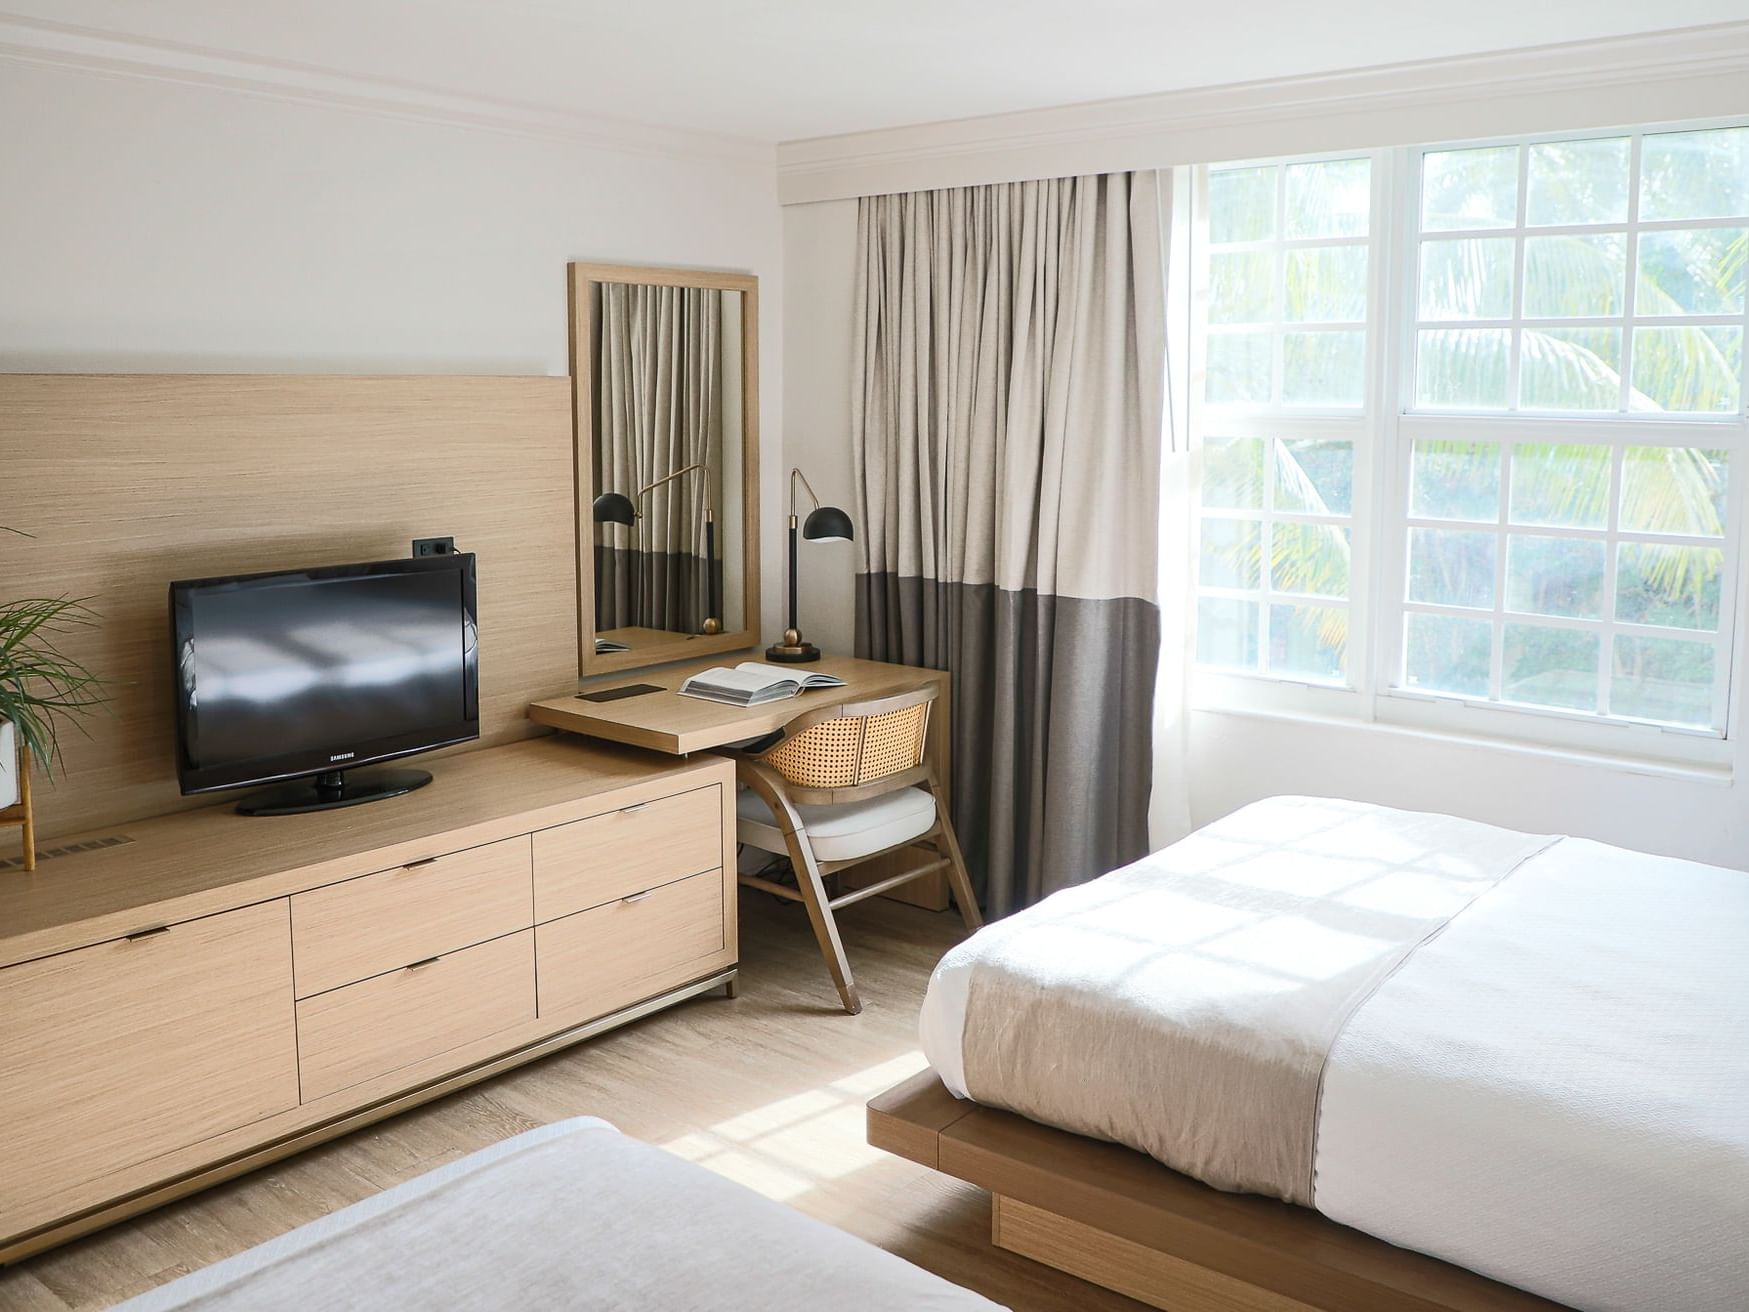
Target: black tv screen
307	671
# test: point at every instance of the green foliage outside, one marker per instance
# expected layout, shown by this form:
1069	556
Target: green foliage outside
1667	490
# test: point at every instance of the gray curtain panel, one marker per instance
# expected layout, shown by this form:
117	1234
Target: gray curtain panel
1007	444
659	408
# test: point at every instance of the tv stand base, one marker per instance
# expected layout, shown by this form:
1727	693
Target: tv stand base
325	792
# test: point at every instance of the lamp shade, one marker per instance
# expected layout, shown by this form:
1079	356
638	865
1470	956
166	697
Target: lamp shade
613	508
828	524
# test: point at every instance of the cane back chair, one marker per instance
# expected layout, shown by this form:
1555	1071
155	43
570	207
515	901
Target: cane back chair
840	786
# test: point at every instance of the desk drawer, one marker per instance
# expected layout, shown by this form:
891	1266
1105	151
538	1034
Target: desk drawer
609	957
124	1051
350	931
351	1034
591	862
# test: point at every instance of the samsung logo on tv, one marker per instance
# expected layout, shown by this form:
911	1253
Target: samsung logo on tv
343	756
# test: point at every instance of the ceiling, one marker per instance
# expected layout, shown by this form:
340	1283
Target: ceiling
780	70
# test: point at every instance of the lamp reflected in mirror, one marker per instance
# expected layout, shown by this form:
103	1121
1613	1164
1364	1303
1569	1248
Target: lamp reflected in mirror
824	524
666	391
617	508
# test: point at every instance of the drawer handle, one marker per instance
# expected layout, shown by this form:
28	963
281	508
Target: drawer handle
414	865
151	932
634	808
429	961
638	897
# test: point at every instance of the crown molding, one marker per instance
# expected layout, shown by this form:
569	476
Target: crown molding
1689	73
120	55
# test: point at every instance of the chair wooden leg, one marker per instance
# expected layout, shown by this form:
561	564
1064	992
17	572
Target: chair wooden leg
958	878
813	890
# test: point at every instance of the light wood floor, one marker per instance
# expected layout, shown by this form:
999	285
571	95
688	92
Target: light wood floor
767	1089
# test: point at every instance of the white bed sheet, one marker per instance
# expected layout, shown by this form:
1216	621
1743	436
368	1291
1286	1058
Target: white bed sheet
571	1216
1554	1091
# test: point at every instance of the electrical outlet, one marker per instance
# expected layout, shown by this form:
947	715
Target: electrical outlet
434	546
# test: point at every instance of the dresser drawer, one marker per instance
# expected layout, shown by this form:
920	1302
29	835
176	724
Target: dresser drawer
609	957
602	859
117	1053
350	931
351	1034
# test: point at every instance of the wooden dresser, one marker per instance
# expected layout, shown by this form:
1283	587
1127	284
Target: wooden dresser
201	993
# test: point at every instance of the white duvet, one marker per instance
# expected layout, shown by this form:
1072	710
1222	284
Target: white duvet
1553	1091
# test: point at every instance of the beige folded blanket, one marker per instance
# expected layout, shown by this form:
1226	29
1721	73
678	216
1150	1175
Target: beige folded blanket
1185	1005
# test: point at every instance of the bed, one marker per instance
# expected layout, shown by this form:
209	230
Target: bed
573	1215
1523	1055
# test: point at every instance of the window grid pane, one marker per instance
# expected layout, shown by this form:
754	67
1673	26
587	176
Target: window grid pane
1553	280
1592	276
1288	292
1275	556
1288	285
1596	569
1568	551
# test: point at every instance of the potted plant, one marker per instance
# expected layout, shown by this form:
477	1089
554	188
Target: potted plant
40	688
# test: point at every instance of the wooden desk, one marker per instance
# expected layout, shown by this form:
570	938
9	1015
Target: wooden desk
667	722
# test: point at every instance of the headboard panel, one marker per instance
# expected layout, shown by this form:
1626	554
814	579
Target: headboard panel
129	481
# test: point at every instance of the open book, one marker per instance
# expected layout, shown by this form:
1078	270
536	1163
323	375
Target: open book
752	683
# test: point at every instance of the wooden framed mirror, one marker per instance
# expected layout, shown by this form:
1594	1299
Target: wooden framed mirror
665	385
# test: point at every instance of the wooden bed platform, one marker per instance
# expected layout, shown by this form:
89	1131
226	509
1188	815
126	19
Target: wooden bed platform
1121	1220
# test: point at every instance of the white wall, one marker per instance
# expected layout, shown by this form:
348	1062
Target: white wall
819	246
153	226
1235	759
1648	77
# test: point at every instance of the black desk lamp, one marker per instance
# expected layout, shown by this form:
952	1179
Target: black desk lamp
617	508
824	524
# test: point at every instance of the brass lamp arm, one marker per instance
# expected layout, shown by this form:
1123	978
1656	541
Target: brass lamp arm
794	474
637	501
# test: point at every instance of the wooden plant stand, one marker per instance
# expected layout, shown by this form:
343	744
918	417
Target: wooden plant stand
20	813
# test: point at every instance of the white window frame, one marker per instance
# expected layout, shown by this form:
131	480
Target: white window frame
1275	422
1406	264
1383	434
1617	431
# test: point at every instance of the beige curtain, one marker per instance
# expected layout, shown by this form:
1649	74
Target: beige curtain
659	408
1007	440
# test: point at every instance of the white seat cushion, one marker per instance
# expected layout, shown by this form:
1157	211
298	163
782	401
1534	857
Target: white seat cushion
842	831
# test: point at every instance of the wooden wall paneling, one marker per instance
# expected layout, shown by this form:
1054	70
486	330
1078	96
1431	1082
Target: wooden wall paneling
130	481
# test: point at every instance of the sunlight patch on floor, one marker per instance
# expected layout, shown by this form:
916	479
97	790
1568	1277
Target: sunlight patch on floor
864	1084
786	1147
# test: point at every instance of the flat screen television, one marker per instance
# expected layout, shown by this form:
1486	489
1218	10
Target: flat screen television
308	674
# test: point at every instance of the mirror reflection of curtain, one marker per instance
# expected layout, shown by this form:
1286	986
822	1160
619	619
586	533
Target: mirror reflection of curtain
659	408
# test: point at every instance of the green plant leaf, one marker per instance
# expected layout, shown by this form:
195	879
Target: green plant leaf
41	689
